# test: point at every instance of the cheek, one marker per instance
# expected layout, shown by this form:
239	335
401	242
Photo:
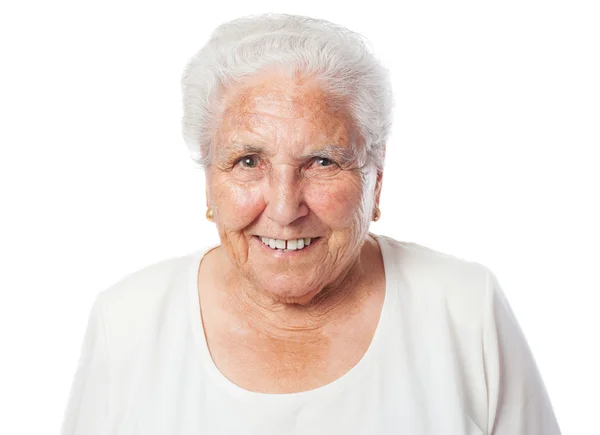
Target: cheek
337	203
237	205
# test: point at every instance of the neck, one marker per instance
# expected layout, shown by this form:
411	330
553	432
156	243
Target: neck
275	318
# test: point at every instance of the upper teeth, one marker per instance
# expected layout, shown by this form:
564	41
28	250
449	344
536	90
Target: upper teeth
288	245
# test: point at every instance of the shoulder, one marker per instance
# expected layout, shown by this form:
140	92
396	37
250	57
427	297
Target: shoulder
436	278
422	262
146	281
144	285
134	306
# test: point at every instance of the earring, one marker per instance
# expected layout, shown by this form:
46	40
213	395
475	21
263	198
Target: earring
376	214
210	214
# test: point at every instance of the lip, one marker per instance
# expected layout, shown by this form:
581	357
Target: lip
315	241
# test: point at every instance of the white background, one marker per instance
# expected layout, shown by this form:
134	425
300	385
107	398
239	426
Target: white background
493	158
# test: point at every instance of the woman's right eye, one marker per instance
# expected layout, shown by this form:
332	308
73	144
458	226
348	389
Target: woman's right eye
248	162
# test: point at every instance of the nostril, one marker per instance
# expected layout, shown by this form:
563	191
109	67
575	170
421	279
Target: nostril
286	210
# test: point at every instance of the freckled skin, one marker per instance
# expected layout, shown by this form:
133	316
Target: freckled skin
302	321
282	198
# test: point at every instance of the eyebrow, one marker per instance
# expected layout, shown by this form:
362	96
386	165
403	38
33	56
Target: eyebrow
235	147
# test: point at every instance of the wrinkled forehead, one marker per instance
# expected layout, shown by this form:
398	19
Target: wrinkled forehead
278	109
283	96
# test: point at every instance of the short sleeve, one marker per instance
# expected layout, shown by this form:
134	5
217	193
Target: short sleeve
518	403
87	407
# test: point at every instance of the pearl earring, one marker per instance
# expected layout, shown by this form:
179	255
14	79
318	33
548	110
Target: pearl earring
210	214
376	214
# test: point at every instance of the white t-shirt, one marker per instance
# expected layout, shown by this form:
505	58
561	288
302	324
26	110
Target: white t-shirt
448	357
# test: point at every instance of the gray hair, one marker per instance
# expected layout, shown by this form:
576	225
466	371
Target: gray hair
335	56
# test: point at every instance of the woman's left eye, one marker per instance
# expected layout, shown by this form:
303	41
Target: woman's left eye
323	161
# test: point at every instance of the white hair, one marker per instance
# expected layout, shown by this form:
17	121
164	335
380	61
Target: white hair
336	57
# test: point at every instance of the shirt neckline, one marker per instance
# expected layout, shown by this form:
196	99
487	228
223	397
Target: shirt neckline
325	390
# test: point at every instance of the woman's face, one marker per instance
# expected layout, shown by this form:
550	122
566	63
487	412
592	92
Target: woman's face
292	196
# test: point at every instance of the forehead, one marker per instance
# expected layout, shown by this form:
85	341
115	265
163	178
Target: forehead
273	107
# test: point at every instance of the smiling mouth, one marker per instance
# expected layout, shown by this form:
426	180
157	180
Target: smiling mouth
286	245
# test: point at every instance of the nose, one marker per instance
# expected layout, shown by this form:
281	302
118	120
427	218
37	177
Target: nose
284	196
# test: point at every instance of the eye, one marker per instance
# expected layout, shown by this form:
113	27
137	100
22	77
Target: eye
248	161
323	162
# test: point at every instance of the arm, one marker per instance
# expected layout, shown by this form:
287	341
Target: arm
87	407
518	403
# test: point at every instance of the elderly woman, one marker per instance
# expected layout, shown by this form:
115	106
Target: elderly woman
301	321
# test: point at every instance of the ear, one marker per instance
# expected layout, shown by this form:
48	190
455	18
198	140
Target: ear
207	190
378	184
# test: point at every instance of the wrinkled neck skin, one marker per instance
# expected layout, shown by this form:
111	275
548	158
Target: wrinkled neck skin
317	314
